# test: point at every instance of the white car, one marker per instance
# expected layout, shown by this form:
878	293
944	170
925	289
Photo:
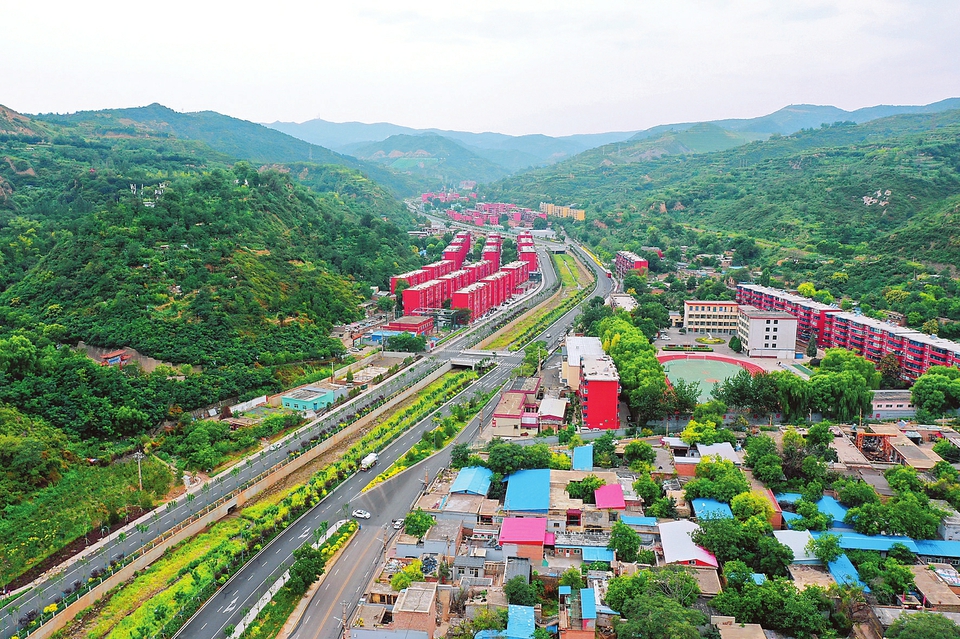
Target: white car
397	524
361	514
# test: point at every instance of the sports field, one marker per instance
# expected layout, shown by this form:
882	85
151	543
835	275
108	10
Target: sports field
698	369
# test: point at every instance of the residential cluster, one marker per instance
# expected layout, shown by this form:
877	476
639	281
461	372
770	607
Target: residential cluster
834	328
492	214
453	284
480	542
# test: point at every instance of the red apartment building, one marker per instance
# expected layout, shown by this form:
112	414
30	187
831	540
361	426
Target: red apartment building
871	338
627	261
599	392
412	278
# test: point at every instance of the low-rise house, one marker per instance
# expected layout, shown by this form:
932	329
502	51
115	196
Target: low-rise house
315	397
528	535
678	546
416	608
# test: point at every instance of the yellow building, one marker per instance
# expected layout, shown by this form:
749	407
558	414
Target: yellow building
562	211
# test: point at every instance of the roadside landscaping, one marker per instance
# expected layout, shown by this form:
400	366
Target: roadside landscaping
436	439
207	561
272	618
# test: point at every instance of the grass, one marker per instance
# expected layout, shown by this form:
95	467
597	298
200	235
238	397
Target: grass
162	575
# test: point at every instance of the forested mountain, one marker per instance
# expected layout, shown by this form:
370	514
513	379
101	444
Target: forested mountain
842	183
516	153
233	137
435	157
169	247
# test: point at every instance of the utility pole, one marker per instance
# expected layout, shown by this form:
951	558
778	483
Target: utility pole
139	457
343	617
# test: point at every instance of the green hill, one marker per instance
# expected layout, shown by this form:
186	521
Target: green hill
801	188
231	136
699	138
169	247
432	156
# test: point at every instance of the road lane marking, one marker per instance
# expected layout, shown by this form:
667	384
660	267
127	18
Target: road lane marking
323	623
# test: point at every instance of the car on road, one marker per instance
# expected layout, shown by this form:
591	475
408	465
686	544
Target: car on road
361	514
397	524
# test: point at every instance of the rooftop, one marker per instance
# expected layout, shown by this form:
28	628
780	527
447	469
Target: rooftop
523	530
790	297
610	496
308	393
755	313
528	491
711	509
525	385
578	347
473	480
724	450
552	407
511	405
418	597
797	540
678	547
520	622
588	603
599	368
843	572
583	457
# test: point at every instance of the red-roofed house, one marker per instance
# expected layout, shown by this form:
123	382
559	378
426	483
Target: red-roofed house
610	497
528	535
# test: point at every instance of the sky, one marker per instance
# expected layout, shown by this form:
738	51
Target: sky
516	67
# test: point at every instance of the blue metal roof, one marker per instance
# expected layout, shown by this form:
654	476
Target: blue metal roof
528	491
758	578
520	623
564	590
704	508
938	548
788	498
592	553
474	480
789	516
482	634
843	572
633	520
882	543
583	457
832	508
588	604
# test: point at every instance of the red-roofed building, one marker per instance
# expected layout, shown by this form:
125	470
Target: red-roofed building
610	497
528	534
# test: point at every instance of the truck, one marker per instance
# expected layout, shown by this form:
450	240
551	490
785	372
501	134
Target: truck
369	461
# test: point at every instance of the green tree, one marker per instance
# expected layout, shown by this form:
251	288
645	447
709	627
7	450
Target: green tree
642	451
624	541
735	344
519	592
826	548
747	505
923	625
812	346
411	573
572	577
584	489
417	523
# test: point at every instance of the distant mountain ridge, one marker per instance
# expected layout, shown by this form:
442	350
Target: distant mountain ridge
231	136
516	153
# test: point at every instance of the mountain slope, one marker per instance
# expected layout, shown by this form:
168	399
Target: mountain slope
231	136
181	252
814	185
432	156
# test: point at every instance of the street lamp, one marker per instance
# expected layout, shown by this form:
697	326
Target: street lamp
139	457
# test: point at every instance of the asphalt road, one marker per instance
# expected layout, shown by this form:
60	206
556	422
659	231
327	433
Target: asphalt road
122	543
386	502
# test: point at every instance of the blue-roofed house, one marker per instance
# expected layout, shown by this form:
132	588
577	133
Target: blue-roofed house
758	578
641	524
583	457
588	609
481	634
596	553
528	491
520	622
880	543
473	480
937	551
826	504
843	572
711	509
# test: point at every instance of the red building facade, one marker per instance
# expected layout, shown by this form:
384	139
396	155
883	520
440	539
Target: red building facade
599	393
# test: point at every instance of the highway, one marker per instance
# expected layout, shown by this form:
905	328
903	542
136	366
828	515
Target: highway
122	543
389	501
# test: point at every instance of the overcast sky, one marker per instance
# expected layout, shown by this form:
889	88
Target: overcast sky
516	67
